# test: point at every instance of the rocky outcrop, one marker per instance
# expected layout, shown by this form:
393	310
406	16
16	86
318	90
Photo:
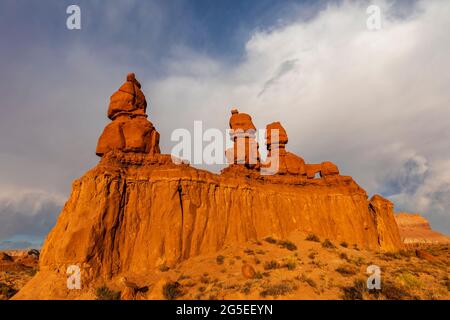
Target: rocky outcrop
129	131
415	229
137	210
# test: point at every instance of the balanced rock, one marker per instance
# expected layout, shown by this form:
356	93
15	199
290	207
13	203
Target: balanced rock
243	134
279	161
129	131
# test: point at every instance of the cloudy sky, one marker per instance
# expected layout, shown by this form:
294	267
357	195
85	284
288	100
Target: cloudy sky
376	102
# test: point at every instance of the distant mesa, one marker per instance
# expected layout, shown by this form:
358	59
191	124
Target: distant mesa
415	229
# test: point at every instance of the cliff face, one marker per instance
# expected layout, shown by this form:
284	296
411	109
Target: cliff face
132	218
137	210
415	229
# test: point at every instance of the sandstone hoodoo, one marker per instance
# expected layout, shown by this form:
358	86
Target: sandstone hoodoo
137	213
129	131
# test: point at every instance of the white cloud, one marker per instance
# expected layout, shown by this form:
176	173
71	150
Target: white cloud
368	100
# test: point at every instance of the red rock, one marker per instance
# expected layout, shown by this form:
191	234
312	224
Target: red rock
415	229
248	271
130	130
136	209
387	230
243	134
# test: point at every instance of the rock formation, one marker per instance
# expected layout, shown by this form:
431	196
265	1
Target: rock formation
415	229
129	131
136	210
243	134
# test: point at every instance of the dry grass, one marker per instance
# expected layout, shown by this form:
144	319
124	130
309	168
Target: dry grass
104	293
172	290
312	237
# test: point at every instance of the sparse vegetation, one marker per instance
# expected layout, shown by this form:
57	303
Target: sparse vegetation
271	265
409	280
104	293
164	268
249	251
307	280
355	292
343	256
312	255
172	290
279	289
346	271
291	265
394	292
287	245
205	279
328	244
344	244
282	243
312	237
220	259
270	240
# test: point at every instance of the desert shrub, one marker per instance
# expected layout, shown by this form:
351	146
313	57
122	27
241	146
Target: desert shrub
172	290
355	292
328	244
393	255
355	247
205	279
447	284
220	259
104	293
183	277
346	270
409	280
270	240
245	289
287	245
344	244
237	257
359	261
307	280
312	255
394	292
249	251
269	265
259	251
258	275
312	237
163	268
279	289
291	265
343	256
7	291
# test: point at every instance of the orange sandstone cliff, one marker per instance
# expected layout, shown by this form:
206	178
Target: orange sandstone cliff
137	210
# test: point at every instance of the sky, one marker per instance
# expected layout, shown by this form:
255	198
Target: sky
375	102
